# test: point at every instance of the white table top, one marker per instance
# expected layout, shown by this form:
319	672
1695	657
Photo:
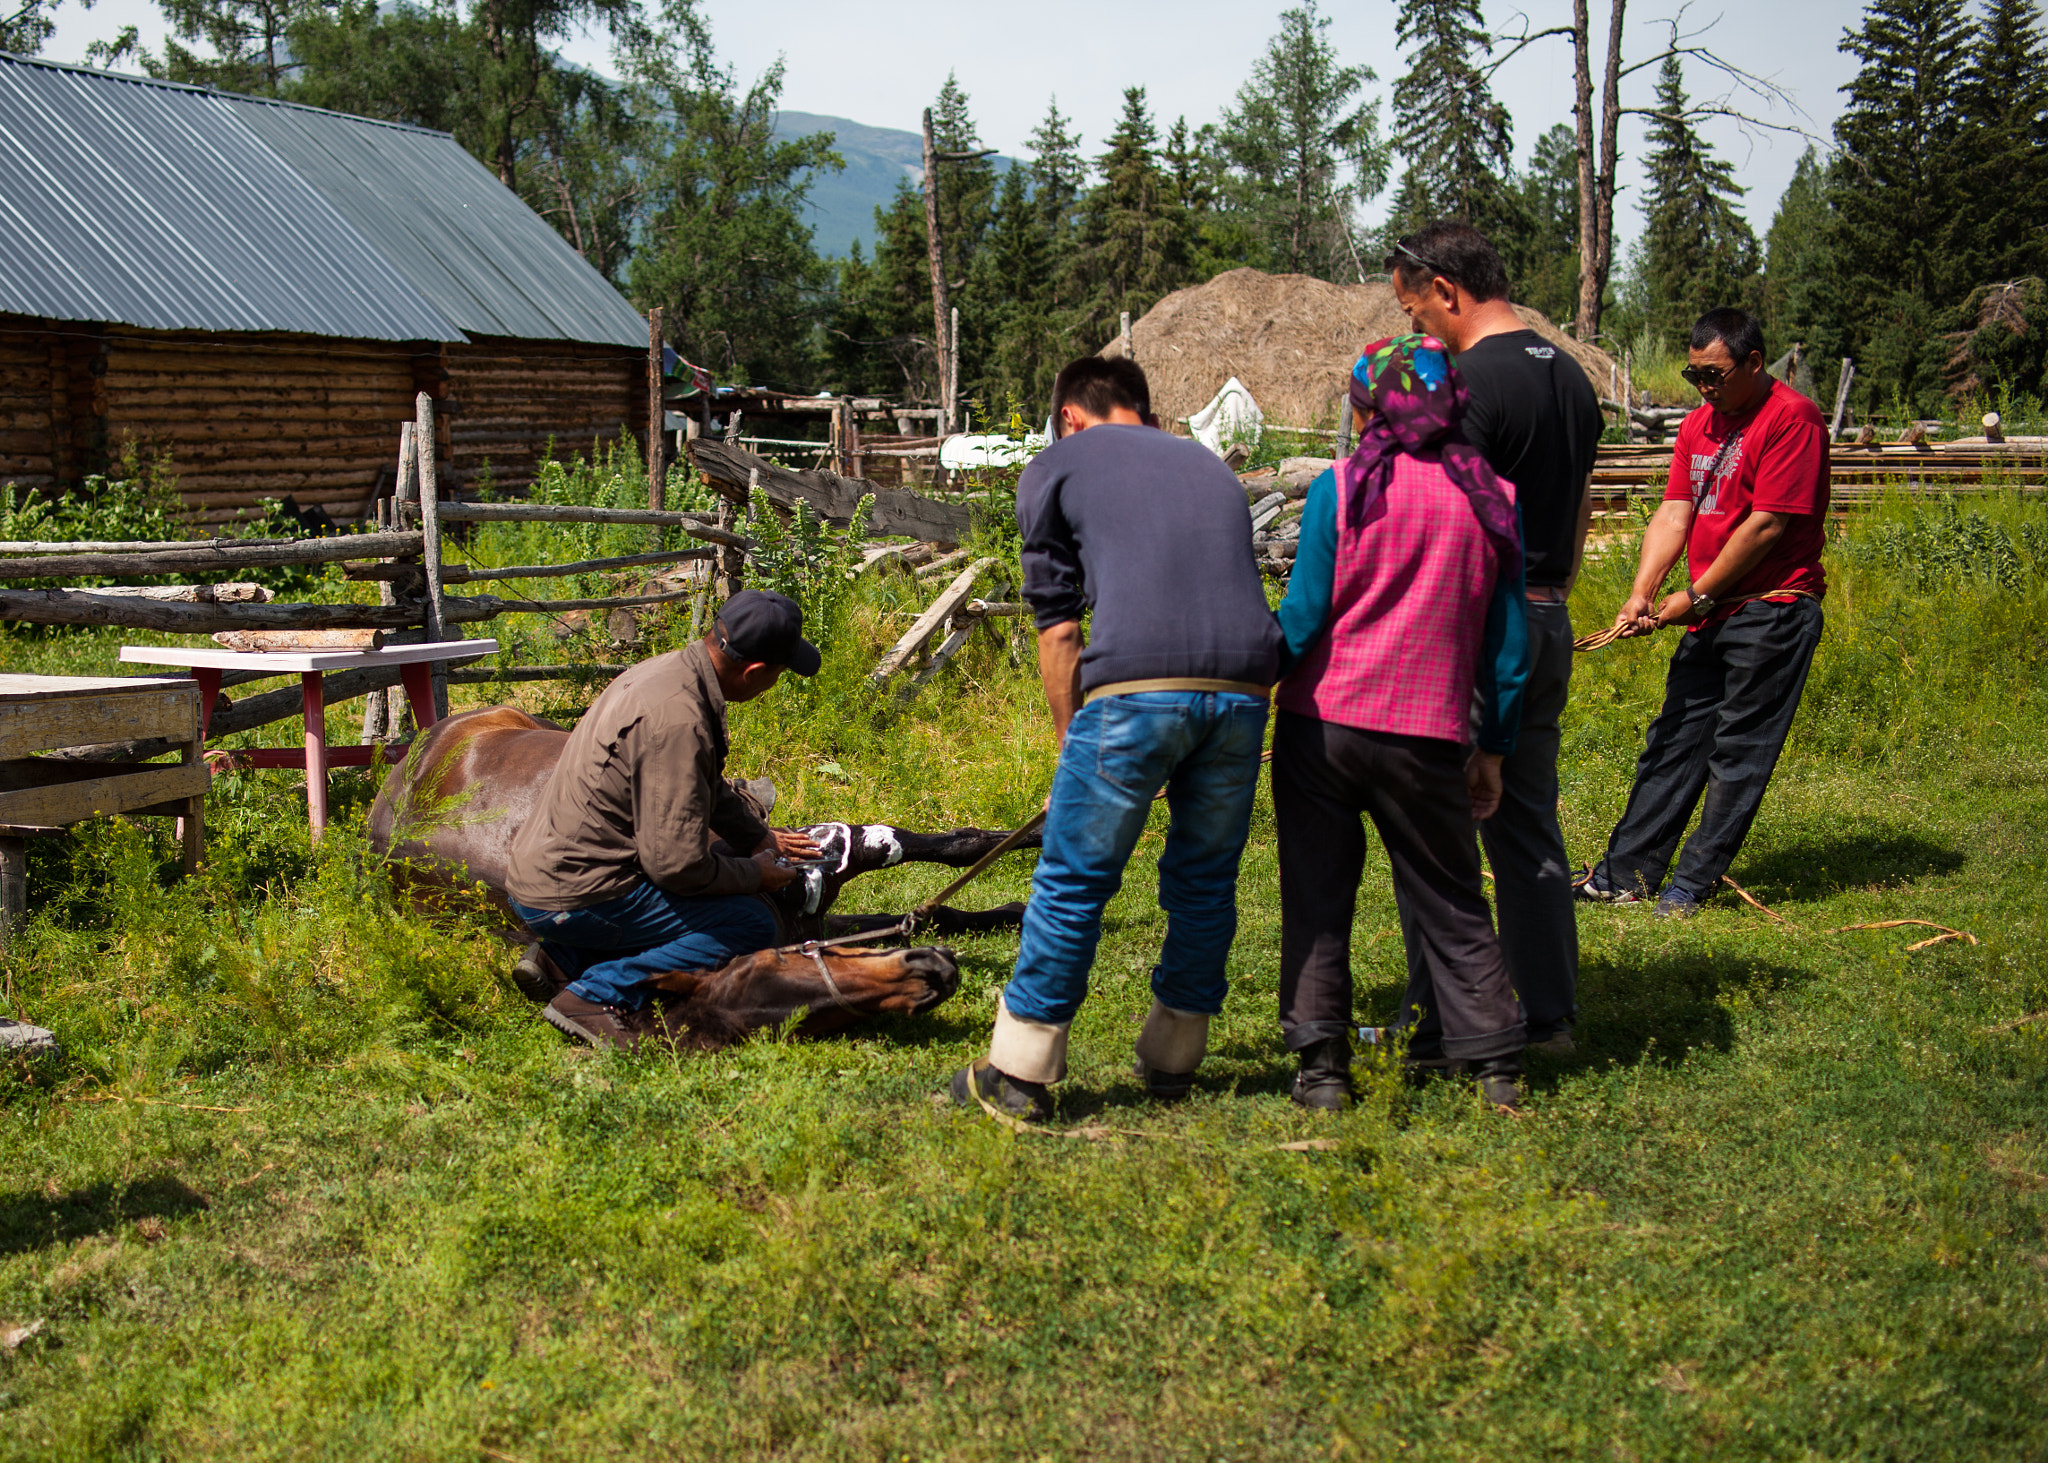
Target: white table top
285	662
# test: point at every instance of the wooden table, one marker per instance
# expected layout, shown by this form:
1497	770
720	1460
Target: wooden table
43	794
206	666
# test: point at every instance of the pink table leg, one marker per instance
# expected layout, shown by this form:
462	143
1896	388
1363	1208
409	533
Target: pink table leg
316	752
208	678
419	690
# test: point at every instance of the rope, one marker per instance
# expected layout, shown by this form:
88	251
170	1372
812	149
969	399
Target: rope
1601	639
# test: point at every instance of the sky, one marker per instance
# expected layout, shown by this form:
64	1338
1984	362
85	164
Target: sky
882	67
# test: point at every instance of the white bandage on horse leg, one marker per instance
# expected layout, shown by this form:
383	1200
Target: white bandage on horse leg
1030	1051
1173	1041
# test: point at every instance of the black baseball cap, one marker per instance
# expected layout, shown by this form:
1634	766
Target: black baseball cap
758	626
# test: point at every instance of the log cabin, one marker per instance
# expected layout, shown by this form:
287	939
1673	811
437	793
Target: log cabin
253	293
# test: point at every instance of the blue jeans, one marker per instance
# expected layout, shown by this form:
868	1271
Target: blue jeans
611	950
1203	748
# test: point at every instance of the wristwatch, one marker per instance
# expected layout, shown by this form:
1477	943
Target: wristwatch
1701	603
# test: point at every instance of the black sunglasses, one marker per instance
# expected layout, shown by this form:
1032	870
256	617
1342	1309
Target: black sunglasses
1401	245
1704	375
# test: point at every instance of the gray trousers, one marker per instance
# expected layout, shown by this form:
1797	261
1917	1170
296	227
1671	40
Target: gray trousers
1532	877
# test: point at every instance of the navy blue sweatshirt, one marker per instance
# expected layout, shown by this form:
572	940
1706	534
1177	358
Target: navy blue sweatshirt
1152	532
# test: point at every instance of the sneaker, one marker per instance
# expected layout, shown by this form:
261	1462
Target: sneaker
595	1025
1323	1083
1675	903
538	977
1590	887
1500	1083
1164	1086
980	1085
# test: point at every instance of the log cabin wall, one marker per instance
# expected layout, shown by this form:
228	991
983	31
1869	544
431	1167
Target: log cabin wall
511	396
240	419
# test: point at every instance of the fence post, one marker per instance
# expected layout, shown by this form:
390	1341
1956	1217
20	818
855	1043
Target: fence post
1841	397
378	720
430	540
657	482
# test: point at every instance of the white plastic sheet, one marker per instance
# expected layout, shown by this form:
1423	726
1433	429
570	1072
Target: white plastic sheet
1231	418
994	449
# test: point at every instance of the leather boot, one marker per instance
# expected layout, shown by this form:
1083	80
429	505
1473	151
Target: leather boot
612	1026
537	976
1500	1082
1323	1084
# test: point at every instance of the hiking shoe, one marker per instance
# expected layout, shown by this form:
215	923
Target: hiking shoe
587	1021
1323	1082
1164	1086
1500	1083
538	977
1558	1043
1590	887
1675	903
981	1085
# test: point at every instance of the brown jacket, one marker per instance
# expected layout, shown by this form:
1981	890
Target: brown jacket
640	792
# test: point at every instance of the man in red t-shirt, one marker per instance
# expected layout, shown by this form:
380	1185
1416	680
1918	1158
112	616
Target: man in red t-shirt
1747	503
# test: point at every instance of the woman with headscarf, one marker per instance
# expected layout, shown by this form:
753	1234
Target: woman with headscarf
1404	608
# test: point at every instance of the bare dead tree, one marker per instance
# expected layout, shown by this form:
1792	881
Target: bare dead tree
1599	158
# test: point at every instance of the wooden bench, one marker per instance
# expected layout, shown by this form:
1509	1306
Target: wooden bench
46	794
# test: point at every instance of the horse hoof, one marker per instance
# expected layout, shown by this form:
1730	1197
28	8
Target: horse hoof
936	966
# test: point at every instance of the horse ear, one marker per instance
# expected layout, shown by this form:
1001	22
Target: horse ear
682	983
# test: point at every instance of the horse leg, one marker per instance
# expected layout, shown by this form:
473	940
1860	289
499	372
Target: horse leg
833	989
941	921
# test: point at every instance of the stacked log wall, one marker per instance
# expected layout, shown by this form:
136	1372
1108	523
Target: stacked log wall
512	396
237	419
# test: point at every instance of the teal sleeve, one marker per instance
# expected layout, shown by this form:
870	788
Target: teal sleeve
1311	584
1503	666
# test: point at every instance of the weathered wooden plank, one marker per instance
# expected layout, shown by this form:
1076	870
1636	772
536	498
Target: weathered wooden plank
832	497
214	555
62	804
927	624
689	523
131	612
157	709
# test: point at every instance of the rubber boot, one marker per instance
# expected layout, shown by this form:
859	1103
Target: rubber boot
1324	1082
1169	1049
1023	1056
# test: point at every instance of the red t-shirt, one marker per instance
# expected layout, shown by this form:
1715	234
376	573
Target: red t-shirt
1778	465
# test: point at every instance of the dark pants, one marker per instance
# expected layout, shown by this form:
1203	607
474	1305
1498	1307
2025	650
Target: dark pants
611	950
1532	877
1728	703
1325	776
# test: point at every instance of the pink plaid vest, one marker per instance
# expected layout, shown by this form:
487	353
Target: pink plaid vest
1407	614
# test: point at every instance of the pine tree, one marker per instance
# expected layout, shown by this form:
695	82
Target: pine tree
1798	295
1057	173
1016	283
1134	240
1458	141
2005	131
1302	151
1698	251
1899	234
1549	277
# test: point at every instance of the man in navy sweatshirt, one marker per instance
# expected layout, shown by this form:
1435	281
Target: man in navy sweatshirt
1167	689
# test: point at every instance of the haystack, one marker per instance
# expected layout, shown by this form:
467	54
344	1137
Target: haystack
1290	338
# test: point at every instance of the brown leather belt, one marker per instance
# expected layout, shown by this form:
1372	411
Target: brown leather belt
1178	683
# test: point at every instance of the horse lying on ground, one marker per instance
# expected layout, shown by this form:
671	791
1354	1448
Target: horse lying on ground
448	814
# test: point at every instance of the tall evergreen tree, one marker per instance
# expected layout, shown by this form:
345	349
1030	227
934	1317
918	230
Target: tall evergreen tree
1303	151
1549	248
1015	289
1134	238
1900	223
1058	173
1798	297
1457	140
2005	129
1698	250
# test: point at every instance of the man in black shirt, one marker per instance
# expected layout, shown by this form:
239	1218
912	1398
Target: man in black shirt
1535	419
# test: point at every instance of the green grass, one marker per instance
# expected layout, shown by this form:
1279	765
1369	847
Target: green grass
313	1182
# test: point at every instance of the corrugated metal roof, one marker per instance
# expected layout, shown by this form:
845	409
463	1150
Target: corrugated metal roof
486	261
156	206
173	208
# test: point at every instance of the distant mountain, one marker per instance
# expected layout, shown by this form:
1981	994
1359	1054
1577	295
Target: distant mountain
842	207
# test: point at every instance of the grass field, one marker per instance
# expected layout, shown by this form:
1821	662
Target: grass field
312	1180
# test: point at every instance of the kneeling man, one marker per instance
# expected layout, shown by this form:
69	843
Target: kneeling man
627	867
1747	503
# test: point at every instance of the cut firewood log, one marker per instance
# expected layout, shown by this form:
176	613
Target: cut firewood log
300	640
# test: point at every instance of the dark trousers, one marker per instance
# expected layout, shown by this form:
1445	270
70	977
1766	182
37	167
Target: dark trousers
1728	704
1458	1003
1532	876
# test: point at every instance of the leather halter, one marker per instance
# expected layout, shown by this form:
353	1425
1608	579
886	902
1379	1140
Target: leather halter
813	949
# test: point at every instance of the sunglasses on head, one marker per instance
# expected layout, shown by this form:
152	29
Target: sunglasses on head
1401	246
1704	375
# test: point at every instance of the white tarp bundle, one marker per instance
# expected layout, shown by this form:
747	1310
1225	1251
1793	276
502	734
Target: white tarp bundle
993	449
1231	418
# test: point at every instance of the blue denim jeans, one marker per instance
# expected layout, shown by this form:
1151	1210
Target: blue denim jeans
611	950
1203	748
